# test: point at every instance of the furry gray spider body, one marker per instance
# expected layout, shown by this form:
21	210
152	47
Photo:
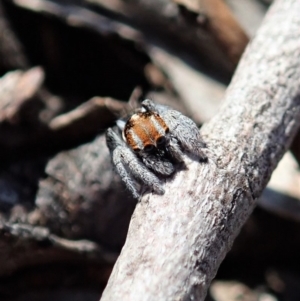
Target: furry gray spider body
154	140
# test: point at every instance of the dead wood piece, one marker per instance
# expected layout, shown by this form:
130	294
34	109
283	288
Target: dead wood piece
23	100
176	242
76	15
221	24
96	113
225	29
24	247
16	89
232	290
83	197
140	21
200	94
160	23
36	233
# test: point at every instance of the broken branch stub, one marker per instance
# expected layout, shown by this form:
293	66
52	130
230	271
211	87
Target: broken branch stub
176	242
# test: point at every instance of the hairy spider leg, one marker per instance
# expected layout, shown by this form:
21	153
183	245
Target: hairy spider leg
129	166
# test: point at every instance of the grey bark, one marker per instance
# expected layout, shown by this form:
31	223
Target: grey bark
176	242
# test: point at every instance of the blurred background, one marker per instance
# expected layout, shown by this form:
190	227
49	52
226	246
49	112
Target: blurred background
68	69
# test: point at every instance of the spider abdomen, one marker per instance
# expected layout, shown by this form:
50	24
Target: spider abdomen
144	130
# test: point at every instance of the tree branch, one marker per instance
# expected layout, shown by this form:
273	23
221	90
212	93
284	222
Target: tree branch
176	242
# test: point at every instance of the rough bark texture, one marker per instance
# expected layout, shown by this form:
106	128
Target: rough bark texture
84	197
176	242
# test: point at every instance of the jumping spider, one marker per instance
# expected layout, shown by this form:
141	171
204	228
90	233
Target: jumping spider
154	139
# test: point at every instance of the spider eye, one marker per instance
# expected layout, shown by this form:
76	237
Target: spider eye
148	147
161	140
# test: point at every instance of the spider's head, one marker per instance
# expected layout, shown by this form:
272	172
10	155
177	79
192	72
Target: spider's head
145	131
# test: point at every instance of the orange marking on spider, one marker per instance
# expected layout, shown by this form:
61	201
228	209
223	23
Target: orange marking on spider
141	126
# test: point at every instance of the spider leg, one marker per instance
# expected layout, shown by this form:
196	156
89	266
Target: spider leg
175	150
157	164
113	140
124	156
125	176
129	166
184	130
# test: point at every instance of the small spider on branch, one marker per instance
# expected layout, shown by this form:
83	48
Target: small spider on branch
154	141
